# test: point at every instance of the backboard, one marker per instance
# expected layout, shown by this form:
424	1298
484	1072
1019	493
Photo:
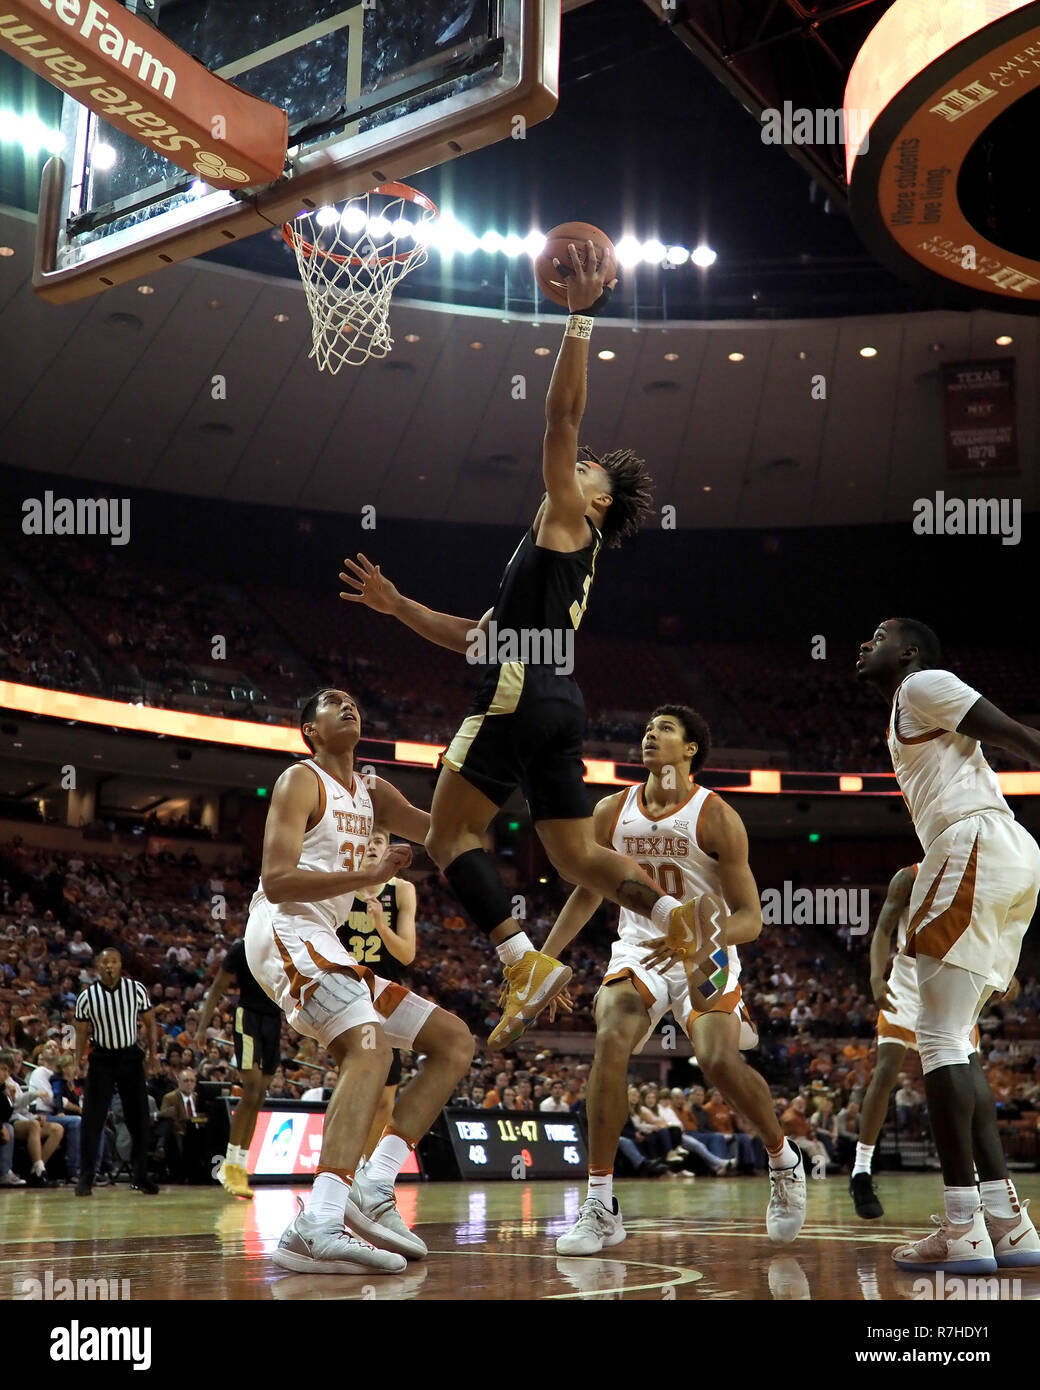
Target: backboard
375	90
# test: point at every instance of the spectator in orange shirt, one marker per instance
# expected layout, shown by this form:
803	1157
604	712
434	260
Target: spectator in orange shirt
724	1122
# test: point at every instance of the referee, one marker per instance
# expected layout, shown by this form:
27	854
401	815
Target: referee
111	1007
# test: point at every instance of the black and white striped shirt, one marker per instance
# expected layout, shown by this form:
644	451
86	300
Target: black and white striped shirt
113	1012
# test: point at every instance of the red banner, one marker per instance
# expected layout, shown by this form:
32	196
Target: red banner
125	71
979	415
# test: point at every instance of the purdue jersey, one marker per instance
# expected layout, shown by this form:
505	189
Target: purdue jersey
359	936
668	850
334	843
545	589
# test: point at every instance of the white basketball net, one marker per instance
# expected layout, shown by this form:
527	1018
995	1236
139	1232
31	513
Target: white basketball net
350	267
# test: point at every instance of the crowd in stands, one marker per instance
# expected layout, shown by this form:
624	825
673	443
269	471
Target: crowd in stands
95	622
173	919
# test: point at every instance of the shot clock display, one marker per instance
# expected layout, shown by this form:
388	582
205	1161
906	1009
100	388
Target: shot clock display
499	1143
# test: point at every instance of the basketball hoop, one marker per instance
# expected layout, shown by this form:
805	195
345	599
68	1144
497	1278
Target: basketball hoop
351	265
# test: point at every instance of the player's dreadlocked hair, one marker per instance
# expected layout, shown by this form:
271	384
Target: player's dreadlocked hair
630	489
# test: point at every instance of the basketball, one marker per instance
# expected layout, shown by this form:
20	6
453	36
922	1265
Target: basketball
557	243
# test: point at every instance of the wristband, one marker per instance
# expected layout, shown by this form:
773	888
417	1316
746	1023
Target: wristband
580	326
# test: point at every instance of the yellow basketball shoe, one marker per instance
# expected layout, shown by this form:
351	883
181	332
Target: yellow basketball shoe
235	1180
532	982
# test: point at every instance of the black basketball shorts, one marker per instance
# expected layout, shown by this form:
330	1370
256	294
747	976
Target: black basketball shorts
525	728
257	1041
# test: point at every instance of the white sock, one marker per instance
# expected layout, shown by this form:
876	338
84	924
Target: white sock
1000	1198
243	1155
961	1204
39	1167
328	1197
509	952
229	1157
601	1186
662	910
864	1158
387	1159
786	1158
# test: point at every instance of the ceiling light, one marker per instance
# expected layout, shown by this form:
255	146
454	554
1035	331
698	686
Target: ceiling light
281	318
102	156
736	357
352	219
653	252
6	250
412	338
533	242
146	289
671	357
326	217
198	187
491	242
378	226
677	255
1005	340
512	245
706	487
542	352
402	227
214	303
477	347
703	256
868	352
606	355
629	251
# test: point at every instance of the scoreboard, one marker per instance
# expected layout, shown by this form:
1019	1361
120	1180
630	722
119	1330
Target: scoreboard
516	1144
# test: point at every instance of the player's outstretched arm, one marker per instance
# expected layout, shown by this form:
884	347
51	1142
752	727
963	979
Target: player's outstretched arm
369	586
991	725
398	814
294	801
214	995
565	402
725	836
899	891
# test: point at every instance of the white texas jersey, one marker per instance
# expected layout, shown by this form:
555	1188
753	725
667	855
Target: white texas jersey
941	773
668	850
334	842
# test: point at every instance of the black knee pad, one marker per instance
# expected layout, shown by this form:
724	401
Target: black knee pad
476	884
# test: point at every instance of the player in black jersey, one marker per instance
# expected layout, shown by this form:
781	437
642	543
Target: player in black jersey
258	1033
380	933
526	725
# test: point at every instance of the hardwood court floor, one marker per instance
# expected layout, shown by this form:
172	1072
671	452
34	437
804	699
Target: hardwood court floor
687	1240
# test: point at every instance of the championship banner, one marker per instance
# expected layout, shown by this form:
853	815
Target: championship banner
941	178
127	72
979	416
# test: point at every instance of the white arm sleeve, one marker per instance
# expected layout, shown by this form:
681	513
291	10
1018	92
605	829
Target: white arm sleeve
938	698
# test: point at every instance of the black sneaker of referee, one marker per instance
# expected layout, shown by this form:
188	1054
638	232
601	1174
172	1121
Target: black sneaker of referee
861	1186
84	1187
146	1186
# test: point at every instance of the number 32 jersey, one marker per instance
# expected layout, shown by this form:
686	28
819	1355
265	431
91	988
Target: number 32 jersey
669	851
335	841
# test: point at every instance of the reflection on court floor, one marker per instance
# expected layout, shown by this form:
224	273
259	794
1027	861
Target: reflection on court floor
695	1240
